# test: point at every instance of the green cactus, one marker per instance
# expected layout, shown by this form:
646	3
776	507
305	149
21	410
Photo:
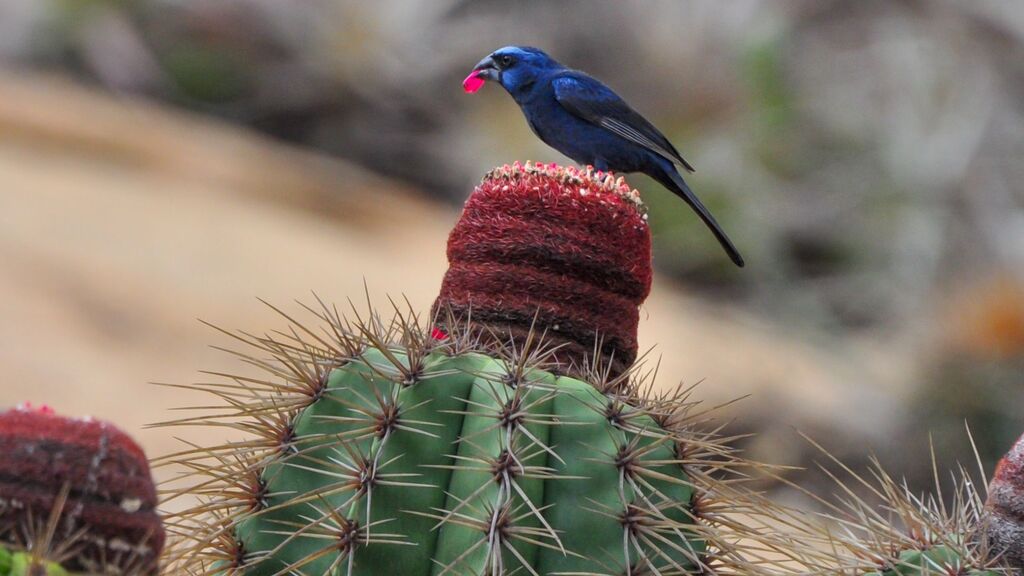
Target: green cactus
473	450
508	435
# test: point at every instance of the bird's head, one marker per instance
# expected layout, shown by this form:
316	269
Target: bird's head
514	67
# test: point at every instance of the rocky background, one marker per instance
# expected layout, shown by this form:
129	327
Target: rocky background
167	160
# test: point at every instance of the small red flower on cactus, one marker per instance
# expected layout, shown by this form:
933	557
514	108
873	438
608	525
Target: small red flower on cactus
41	409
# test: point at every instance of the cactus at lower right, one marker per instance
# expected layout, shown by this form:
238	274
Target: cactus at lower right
892	531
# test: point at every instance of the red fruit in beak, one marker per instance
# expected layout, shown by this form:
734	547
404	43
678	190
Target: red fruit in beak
473	82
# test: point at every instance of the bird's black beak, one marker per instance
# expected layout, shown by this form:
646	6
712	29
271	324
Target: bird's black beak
487	69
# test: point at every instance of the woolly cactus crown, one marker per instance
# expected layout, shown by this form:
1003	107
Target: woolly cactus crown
565	249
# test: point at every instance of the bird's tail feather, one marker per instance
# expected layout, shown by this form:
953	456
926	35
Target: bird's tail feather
670	178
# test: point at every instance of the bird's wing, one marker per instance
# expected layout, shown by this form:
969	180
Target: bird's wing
594	102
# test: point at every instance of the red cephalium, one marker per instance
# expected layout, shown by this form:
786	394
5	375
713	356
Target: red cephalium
567	251
108	522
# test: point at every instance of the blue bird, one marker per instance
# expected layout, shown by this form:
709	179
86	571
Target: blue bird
582	118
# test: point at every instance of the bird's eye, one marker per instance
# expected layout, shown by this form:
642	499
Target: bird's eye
505	60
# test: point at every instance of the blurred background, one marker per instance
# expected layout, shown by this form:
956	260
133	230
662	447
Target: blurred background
163	161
